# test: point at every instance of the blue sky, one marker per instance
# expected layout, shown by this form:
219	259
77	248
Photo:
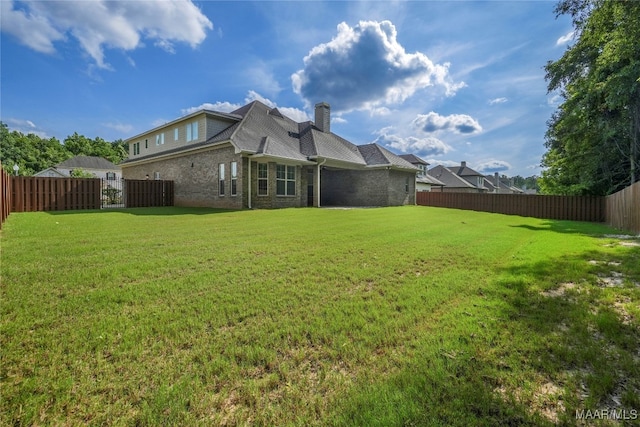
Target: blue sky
446	80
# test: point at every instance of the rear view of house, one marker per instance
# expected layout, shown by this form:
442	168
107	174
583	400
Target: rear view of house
256	157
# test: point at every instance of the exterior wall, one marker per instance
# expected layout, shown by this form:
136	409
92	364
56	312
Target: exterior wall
421	186
271	200
401	188
460	190
196	177
377	187
207	127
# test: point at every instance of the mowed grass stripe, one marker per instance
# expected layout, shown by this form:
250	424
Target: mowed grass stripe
308	317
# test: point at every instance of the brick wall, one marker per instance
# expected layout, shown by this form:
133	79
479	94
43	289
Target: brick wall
196	177
377	187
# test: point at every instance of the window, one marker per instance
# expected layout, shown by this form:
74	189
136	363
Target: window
192	131
234	178
156	176
285	180
136	148
175	134
263	175
221	179
160	139
111	176
406	185
146	144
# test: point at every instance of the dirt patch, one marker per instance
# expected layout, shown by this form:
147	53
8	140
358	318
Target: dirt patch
560	291
546	399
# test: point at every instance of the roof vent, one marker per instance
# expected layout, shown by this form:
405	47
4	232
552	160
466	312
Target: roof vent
323	117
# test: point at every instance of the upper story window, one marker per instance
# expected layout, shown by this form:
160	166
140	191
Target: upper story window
160	139
192	131
285	180
136	148
176	134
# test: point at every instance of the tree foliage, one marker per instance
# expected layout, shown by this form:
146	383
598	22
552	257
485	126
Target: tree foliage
33	153
593	138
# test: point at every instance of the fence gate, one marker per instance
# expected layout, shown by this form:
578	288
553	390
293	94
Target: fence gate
131	193
112	193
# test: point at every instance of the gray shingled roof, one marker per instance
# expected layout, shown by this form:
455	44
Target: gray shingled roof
266	131
413	159
87	162
449	178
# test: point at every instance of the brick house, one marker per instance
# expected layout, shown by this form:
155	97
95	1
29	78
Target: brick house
255	157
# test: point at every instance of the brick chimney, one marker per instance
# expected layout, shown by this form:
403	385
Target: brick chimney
463	164
323	117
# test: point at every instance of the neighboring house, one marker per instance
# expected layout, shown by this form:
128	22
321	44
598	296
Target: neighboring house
255	157
497	185
424	181
99	167
457	184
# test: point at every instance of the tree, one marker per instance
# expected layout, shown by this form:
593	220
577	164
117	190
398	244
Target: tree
593	138
33	153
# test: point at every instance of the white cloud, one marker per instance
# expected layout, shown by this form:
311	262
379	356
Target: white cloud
491	166
565	39
120	127
227	107
458	123
25	127
429	146
495	101
100	23
364	67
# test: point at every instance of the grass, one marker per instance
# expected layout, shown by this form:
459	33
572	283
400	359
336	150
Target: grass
393	316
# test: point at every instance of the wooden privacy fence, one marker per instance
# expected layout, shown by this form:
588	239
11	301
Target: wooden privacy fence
623	209
574	208
5	195
145	193
28	194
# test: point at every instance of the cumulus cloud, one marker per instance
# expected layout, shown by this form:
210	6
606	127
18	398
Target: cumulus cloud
458	123
492	166
104	23
364	67
429	146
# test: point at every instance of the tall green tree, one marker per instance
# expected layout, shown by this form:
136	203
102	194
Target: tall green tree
593	138
33	153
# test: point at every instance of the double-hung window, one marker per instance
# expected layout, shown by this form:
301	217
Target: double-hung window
176	134
285	180
263	179
136	148
234	178
192	131
160	139
221	179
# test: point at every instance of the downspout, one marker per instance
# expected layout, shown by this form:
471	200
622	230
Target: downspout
249	184
318	186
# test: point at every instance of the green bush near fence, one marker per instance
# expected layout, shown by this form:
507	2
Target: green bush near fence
393	316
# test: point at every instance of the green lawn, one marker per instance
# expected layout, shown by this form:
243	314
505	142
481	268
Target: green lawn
392	316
